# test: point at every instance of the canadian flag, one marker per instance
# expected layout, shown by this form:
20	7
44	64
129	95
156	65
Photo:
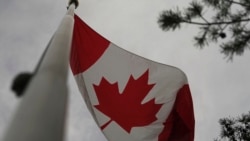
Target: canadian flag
130	97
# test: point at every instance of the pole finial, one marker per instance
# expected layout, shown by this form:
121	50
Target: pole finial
74	2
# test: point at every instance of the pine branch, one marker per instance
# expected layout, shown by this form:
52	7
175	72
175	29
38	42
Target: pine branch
205	20
169	17
225	18
217	23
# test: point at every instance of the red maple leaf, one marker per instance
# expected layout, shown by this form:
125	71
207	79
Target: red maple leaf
125	108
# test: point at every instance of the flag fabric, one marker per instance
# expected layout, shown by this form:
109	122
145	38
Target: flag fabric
130	97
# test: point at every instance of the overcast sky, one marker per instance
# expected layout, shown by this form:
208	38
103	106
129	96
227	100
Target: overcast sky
219	88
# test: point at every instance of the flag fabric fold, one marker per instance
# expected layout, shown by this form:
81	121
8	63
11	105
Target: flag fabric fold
130	97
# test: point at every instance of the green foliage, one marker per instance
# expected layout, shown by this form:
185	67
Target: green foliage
235	129
230	22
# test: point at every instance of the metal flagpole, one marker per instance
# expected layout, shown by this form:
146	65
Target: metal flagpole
41	113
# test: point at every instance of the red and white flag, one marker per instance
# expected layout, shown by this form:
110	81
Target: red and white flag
130	97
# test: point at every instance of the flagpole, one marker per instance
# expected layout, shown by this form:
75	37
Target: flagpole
41	113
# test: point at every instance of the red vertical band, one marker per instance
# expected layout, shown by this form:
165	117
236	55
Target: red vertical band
87	47
180	124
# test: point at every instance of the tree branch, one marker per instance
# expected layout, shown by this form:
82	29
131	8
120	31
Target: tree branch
241	4
216	23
